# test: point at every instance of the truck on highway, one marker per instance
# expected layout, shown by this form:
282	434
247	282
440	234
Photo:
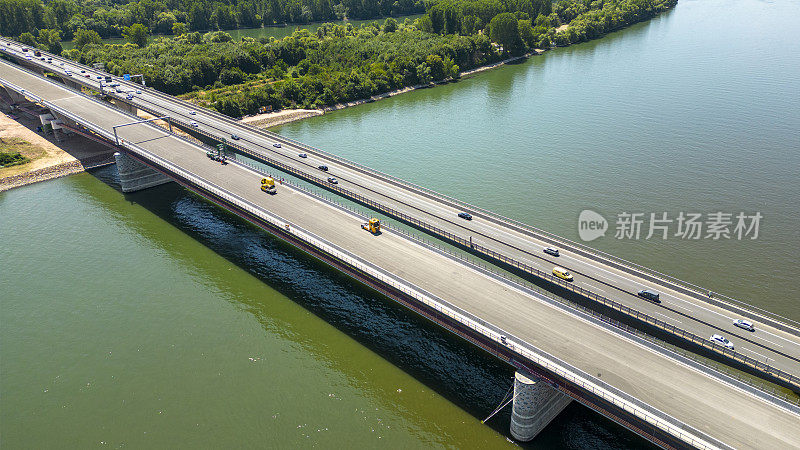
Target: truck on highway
268	185
373	226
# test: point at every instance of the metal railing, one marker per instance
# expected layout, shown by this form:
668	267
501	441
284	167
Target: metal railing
557	366
695	291
532	287
676	331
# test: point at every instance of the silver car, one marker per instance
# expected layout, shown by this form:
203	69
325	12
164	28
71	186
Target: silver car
719	339
744	324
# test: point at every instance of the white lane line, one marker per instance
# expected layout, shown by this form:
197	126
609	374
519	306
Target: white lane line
668	317
779	337
774	343
701	307
759	354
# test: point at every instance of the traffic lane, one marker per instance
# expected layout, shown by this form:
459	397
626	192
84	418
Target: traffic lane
218	125
751	421
690	324
570	340
649	376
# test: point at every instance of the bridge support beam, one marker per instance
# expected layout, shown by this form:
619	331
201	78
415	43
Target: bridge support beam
135	176
127	107
70	83
535	404
15	96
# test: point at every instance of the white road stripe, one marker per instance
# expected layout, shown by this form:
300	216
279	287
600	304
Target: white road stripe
759	354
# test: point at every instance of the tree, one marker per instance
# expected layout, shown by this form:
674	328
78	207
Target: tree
527	34
137	34
51	40
84	37
179	28
28	39
504	30
390	25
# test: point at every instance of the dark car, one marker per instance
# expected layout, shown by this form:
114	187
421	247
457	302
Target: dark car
649	295
465	216
235	137
323	168
303	155
551	251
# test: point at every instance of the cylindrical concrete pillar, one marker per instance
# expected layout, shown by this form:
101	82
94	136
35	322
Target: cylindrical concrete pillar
535	405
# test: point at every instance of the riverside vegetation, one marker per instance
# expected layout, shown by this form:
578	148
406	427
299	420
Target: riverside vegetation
337	63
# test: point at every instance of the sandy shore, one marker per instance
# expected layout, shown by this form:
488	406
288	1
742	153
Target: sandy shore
280	117
50	158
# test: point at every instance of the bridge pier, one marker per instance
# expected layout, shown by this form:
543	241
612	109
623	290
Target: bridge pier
135	176
535	405
127	107
70	83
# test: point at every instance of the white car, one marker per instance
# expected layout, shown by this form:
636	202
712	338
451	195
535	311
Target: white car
138	91
193	113
193	123
719	339
744	324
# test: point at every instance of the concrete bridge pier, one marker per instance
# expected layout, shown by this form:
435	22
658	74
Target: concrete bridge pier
535	404
15	96
127	107
135	176
70	83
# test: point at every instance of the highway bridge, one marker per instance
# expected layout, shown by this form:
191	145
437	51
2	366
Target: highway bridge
660	395
686	312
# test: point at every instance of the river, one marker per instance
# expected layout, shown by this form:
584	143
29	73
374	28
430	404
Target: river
155	319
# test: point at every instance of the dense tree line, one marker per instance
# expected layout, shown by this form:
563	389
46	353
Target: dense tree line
520	25
110	17
337	63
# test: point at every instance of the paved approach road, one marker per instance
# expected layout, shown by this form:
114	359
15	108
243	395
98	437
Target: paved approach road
725	412
767	344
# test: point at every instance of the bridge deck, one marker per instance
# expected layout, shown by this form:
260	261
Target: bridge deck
721	410
767	344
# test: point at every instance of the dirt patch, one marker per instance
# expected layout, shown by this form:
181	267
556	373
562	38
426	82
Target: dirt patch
39	150
50	158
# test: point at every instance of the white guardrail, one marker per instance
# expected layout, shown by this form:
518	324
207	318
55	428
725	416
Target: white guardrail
589	383
700	293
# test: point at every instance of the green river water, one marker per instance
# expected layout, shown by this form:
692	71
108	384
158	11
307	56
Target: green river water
155	319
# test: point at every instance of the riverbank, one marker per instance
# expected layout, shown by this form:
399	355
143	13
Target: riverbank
285	116
49	159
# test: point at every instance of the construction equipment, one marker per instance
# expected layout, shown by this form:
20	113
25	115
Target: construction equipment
373	226
268	185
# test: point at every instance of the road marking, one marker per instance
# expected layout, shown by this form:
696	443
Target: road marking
668	317
698	306
779	337
774	343
759	354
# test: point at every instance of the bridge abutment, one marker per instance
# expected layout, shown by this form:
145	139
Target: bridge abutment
535	404
135	176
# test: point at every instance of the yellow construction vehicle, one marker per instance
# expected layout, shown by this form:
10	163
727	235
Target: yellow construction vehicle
268	185
373	226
